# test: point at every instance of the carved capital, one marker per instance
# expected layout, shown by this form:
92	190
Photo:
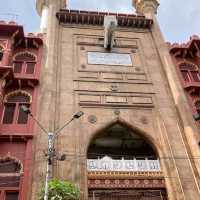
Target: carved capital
146	6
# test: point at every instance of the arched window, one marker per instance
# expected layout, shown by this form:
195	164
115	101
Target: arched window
190	72
12	108
1	53
24	63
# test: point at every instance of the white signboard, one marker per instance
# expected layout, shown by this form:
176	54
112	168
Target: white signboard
98	58
108	164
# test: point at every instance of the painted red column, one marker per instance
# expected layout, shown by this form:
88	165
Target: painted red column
2	83
7	54
26	180
2	195
6	57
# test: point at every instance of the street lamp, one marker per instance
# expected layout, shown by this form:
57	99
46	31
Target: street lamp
196	117
51	139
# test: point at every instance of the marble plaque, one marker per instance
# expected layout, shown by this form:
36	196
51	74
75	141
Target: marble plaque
99	58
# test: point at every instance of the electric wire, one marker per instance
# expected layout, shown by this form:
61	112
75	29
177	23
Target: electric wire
68	153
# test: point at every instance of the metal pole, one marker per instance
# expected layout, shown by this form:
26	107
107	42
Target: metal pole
50	155
51	139
46	182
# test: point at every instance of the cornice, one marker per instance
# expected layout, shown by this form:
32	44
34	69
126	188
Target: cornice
66	16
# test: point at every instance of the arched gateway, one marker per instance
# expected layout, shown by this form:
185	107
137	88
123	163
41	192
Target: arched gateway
122	165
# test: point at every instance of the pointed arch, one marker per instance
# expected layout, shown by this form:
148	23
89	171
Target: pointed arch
145	136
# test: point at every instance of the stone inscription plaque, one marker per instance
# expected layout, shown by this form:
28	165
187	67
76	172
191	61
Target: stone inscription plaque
98	58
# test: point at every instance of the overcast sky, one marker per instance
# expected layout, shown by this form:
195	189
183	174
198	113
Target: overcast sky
179	19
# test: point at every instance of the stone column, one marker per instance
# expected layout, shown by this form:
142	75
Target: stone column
43	10
44	19
188	129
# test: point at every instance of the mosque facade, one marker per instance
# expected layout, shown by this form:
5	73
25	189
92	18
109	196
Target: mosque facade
137	138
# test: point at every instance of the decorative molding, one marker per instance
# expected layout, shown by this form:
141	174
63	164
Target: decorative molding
120	100
89	98
124	175
113	76
126	183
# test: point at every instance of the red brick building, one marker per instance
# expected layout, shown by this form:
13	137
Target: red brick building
20	58
187	60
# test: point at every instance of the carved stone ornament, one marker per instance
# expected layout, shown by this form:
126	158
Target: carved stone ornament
82	48
83	66
117	112
133	51
144	6
114	88
144	120
92	119
137	69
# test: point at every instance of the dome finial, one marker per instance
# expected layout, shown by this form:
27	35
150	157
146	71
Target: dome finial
146	7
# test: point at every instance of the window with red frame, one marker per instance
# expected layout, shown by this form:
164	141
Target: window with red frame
13	113
190	72
12	195
10	169
24	63
1	53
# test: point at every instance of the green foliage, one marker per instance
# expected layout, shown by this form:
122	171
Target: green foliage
61	190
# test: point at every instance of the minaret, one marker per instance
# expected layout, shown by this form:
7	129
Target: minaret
49	87
47	9
146	7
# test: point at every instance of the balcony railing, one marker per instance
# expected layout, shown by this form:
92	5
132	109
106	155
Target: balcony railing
108	164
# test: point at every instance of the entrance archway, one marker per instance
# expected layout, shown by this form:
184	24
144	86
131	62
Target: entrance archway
122	165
